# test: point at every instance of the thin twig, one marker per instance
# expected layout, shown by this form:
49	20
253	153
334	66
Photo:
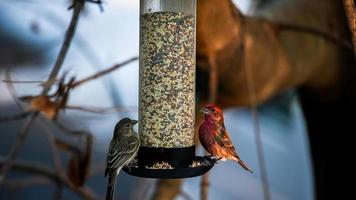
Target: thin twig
350	10
103	72
78	6
204	187
21	137
32	181
52	143
20	140
102	110
256	127
12	89
16	117
24	82
98	2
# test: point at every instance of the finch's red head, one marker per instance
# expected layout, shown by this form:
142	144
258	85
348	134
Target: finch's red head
213	113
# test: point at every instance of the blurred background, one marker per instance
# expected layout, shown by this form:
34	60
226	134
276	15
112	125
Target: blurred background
300	115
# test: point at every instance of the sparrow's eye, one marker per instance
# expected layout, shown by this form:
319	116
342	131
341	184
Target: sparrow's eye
128	126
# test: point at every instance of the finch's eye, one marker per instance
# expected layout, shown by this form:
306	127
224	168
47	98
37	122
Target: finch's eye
213	109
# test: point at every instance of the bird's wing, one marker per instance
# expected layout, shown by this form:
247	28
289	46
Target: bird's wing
120	153
204	138
223	139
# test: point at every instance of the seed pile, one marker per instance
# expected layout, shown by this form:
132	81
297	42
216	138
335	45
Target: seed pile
161	165
197	164
167	79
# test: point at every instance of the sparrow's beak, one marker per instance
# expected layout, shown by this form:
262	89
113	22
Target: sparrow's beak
205	111
134	122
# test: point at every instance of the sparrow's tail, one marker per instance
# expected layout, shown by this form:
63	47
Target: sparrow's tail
111	186
243	165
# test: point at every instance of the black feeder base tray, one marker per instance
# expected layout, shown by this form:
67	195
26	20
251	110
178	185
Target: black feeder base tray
205	164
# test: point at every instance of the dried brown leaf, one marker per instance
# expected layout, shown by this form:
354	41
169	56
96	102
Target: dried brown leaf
87	158
44	105
73	170
78	169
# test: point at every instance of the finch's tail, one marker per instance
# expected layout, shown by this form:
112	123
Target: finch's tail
243	165
111	186
110	192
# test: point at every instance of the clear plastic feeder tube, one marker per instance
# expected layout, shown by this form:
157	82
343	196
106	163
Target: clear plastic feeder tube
167	73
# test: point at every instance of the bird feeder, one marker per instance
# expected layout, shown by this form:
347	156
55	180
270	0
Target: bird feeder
167	91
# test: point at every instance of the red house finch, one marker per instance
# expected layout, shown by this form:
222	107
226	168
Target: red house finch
123	148
214	137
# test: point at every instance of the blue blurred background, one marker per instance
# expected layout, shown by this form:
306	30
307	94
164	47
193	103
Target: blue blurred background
31	32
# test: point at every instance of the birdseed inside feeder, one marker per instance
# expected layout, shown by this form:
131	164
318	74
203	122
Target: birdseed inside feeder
167	90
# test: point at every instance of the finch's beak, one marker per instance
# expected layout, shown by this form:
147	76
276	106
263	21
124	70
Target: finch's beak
205	111
134	122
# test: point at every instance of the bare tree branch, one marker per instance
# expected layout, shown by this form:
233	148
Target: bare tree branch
204	187
102	110
250	83
57	176
11	89
20	140
77	7
103	72
39	169
24	82
16	117
27	182
52	143
21	137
